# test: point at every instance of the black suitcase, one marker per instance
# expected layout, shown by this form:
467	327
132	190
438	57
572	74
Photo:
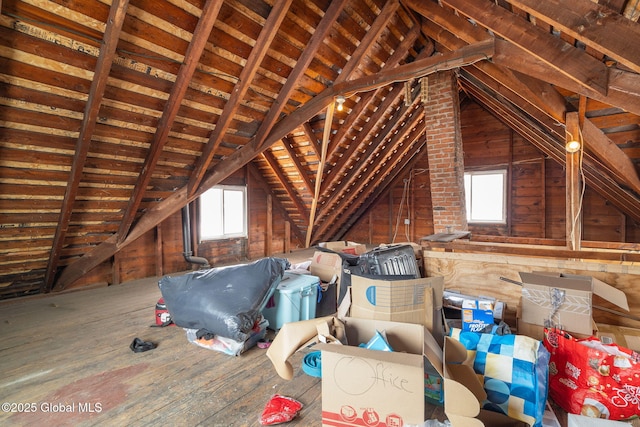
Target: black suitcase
398	260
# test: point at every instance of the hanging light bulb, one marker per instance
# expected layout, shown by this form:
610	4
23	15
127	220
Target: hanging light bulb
572	146
340	102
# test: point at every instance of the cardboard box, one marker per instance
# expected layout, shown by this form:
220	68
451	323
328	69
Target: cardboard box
477	315
410	301
371	387
537	331
461	381
346	247
327	267
573	294
621	335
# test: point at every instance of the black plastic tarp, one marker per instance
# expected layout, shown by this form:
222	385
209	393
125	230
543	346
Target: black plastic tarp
226	301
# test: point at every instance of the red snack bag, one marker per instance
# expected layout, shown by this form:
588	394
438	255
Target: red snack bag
590	378
279	409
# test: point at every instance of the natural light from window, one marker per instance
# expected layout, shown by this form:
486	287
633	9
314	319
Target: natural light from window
485	196
223	213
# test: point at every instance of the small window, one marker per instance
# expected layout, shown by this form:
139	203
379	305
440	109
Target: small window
223	213
485	194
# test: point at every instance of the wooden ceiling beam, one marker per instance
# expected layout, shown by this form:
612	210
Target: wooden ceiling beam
573	63
593	24
117	14
632	11
347	168
541	138
365	98
364	171
179	198
623	89
288	146
170	111
373	33
303	62
611	155
458	30
311	136
410	148
249	71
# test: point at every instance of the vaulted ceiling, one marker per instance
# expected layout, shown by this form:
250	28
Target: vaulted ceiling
114	115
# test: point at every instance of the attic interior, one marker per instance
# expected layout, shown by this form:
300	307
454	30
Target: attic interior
354	120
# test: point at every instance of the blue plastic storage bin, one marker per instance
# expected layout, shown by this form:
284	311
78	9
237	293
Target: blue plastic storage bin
294	299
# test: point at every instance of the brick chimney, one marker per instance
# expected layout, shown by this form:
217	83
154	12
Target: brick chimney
444	150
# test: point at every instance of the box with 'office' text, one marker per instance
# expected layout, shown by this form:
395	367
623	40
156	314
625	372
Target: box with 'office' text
363	387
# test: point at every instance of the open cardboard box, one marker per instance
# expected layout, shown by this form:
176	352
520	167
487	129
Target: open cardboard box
362	386
623	336
373	387
537	331
387	387
407	300
352	248
575	292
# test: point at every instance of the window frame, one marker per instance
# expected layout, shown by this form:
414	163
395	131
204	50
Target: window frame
203	213
469	195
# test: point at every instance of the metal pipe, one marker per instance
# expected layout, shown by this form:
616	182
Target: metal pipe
186	239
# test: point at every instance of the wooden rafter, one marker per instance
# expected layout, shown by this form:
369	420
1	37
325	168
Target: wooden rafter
344	176
170	112
412	146
611	155
573	63
311	137
293	155
554	148
288	188
453	32
593	24
395	137
238	93
366	97
117	14
368	40
159	212
320	33
622	90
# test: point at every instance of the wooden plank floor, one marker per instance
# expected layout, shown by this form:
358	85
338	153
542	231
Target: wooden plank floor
73	349
67	358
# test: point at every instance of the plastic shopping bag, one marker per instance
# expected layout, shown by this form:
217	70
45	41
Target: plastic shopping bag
587	377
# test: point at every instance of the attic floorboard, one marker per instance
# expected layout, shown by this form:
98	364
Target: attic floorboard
73	349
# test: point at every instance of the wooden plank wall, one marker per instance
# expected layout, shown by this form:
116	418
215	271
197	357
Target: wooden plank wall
536	197
537	205
160	251
479	274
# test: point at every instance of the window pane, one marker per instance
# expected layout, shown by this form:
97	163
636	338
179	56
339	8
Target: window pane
211	214
467	194
233	212
223	212
487	197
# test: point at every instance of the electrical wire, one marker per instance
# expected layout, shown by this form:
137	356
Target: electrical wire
576	217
